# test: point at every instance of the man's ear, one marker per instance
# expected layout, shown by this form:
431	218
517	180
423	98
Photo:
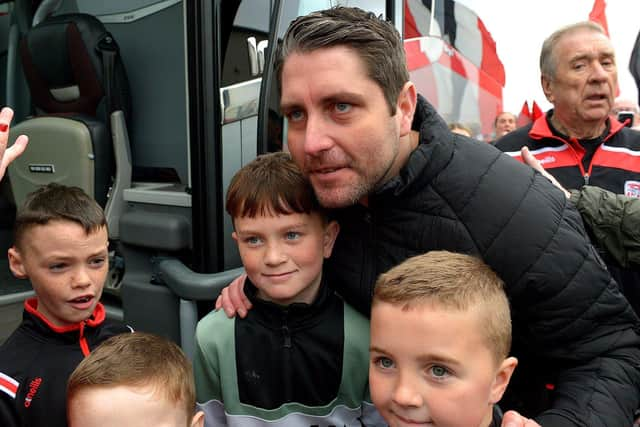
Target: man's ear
406	107
546	84
198	419
331	231
503	376
15	263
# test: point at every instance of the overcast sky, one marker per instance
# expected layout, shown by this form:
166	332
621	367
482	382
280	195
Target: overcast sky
520	26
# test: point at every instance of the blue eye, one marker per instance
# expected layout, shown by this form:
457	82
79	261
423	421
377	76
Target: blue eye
384	362
295	116
97	262
57	267
343	107
253	240
292	235
439	371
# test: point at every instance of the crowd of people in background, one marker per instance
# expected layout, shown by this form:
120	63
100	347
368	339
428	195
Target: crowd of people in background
625	110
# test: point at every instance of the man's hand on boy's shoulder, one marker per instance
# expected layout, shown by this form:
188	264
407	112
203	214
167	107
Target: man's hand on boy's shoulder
514	419
7	155
233	300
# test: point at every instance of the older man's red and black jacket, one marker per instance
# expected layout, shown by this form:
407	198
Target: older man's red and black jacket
610	161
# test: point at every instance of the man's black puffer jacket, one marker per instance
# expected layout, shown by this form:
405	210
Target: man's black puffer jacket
574	333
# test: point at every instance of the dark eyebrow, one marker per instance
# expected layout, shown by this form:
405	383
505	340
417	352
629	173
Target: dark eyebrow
289	106
334	98
345	96
295	226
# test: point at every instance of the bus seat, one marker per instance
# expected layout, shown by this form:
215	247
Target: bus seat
80	96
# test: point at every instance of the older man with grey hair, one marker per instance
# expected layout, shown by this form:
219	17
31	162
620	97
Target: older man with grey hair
579	142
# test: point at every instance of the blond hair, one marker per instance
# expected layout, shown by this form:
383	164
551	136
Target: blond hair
452	281
138	360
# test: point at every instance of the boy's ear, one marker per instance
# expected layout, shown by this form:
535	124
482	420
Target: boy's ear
503	376
330	233
406	107
15	263
235	236
198	419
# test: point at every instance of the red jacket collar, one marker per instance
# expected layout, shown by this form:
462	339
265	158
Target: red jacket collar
96	318
541	128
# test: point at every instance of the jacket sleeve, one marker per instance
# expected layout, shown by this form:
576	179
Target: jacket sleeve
614	222
569	316
574	316
8	417
370	417
206	370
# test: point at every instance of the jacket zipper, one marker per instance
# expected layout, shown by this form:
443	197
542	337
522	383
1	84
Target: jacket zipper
286	333
368	278
84	346
287	355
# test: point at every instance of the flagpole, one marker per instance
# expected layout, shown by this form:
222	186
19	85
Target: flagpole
433	17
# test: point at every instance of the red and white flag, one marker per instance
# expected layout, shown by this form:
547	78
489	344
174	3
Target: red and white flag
460	27
452	59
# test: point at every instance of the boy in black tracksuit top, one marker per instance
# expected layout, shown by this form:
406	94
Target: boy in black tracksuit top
312	357
61	246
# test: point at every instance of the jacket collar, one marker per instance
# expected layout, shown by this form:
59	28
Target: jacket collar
296	316
541	128
434	151
44	325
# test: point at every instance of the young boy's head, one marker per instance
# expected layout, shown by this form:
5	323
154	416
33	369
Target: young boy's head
133	380
282	232
440	339
61	246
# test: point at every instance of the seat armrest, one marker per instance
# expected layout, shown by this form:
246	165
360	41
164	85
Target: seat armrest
189	285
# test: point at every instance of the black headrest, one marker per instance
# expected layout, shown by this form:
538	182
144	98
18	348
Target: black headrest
63	63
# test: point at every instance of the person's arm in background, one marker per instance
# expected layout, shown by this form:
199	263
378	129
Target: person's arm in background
613	219
531	160
7	155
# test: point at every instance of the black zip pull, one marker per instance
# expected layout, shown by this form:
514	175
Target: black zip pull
286	336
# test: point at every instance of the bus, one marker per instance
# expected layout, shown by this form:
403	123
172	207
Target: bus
203	102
